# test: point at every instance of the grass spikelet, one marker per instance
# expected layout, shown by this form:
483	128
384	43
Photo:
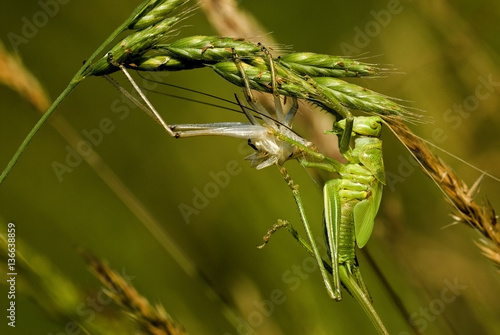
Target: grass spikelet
331	94
318	65
154	12
159	61
360	98
137	44
481	218
149	319
211	48
194	52
259	77
132	46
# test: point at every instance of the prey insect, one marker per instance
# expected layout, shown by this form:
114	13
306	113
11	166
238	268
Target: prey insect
351	201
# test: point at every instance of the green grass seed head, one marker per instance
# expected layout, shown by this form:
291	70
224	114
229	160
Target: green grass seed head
212	49
358	98
154	12
161	63
132	47
319	65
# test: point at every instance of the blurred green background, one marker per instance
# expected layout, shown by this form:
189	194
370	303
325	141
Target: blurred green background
442	51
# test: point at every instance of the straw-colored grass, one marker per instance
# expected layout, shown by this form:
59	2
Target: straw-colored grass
152	320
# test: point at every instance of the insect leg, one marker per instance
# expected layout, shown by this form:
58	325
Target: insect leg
345	138
310	237
152	111
274	81
291	112
252	101
332	217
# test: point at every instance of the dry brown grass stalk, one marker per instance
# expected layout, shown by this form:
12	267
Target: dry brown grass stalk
229	20
149	319
461	197
15	75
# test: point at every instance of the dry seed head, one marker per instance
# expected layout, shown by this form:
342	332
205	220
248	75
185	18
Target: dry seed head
481	218
150	320
490	250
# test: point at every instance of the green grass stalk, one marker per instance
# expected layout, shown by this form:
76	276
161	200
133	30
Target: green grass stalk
79	76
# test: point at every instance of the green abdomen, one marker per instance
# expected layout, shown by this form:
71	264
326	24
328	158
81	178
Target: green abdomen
347	236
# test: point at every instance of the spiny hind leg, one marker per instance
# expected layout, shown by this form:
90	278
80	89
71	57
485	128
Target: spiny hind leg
289	227
277	226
